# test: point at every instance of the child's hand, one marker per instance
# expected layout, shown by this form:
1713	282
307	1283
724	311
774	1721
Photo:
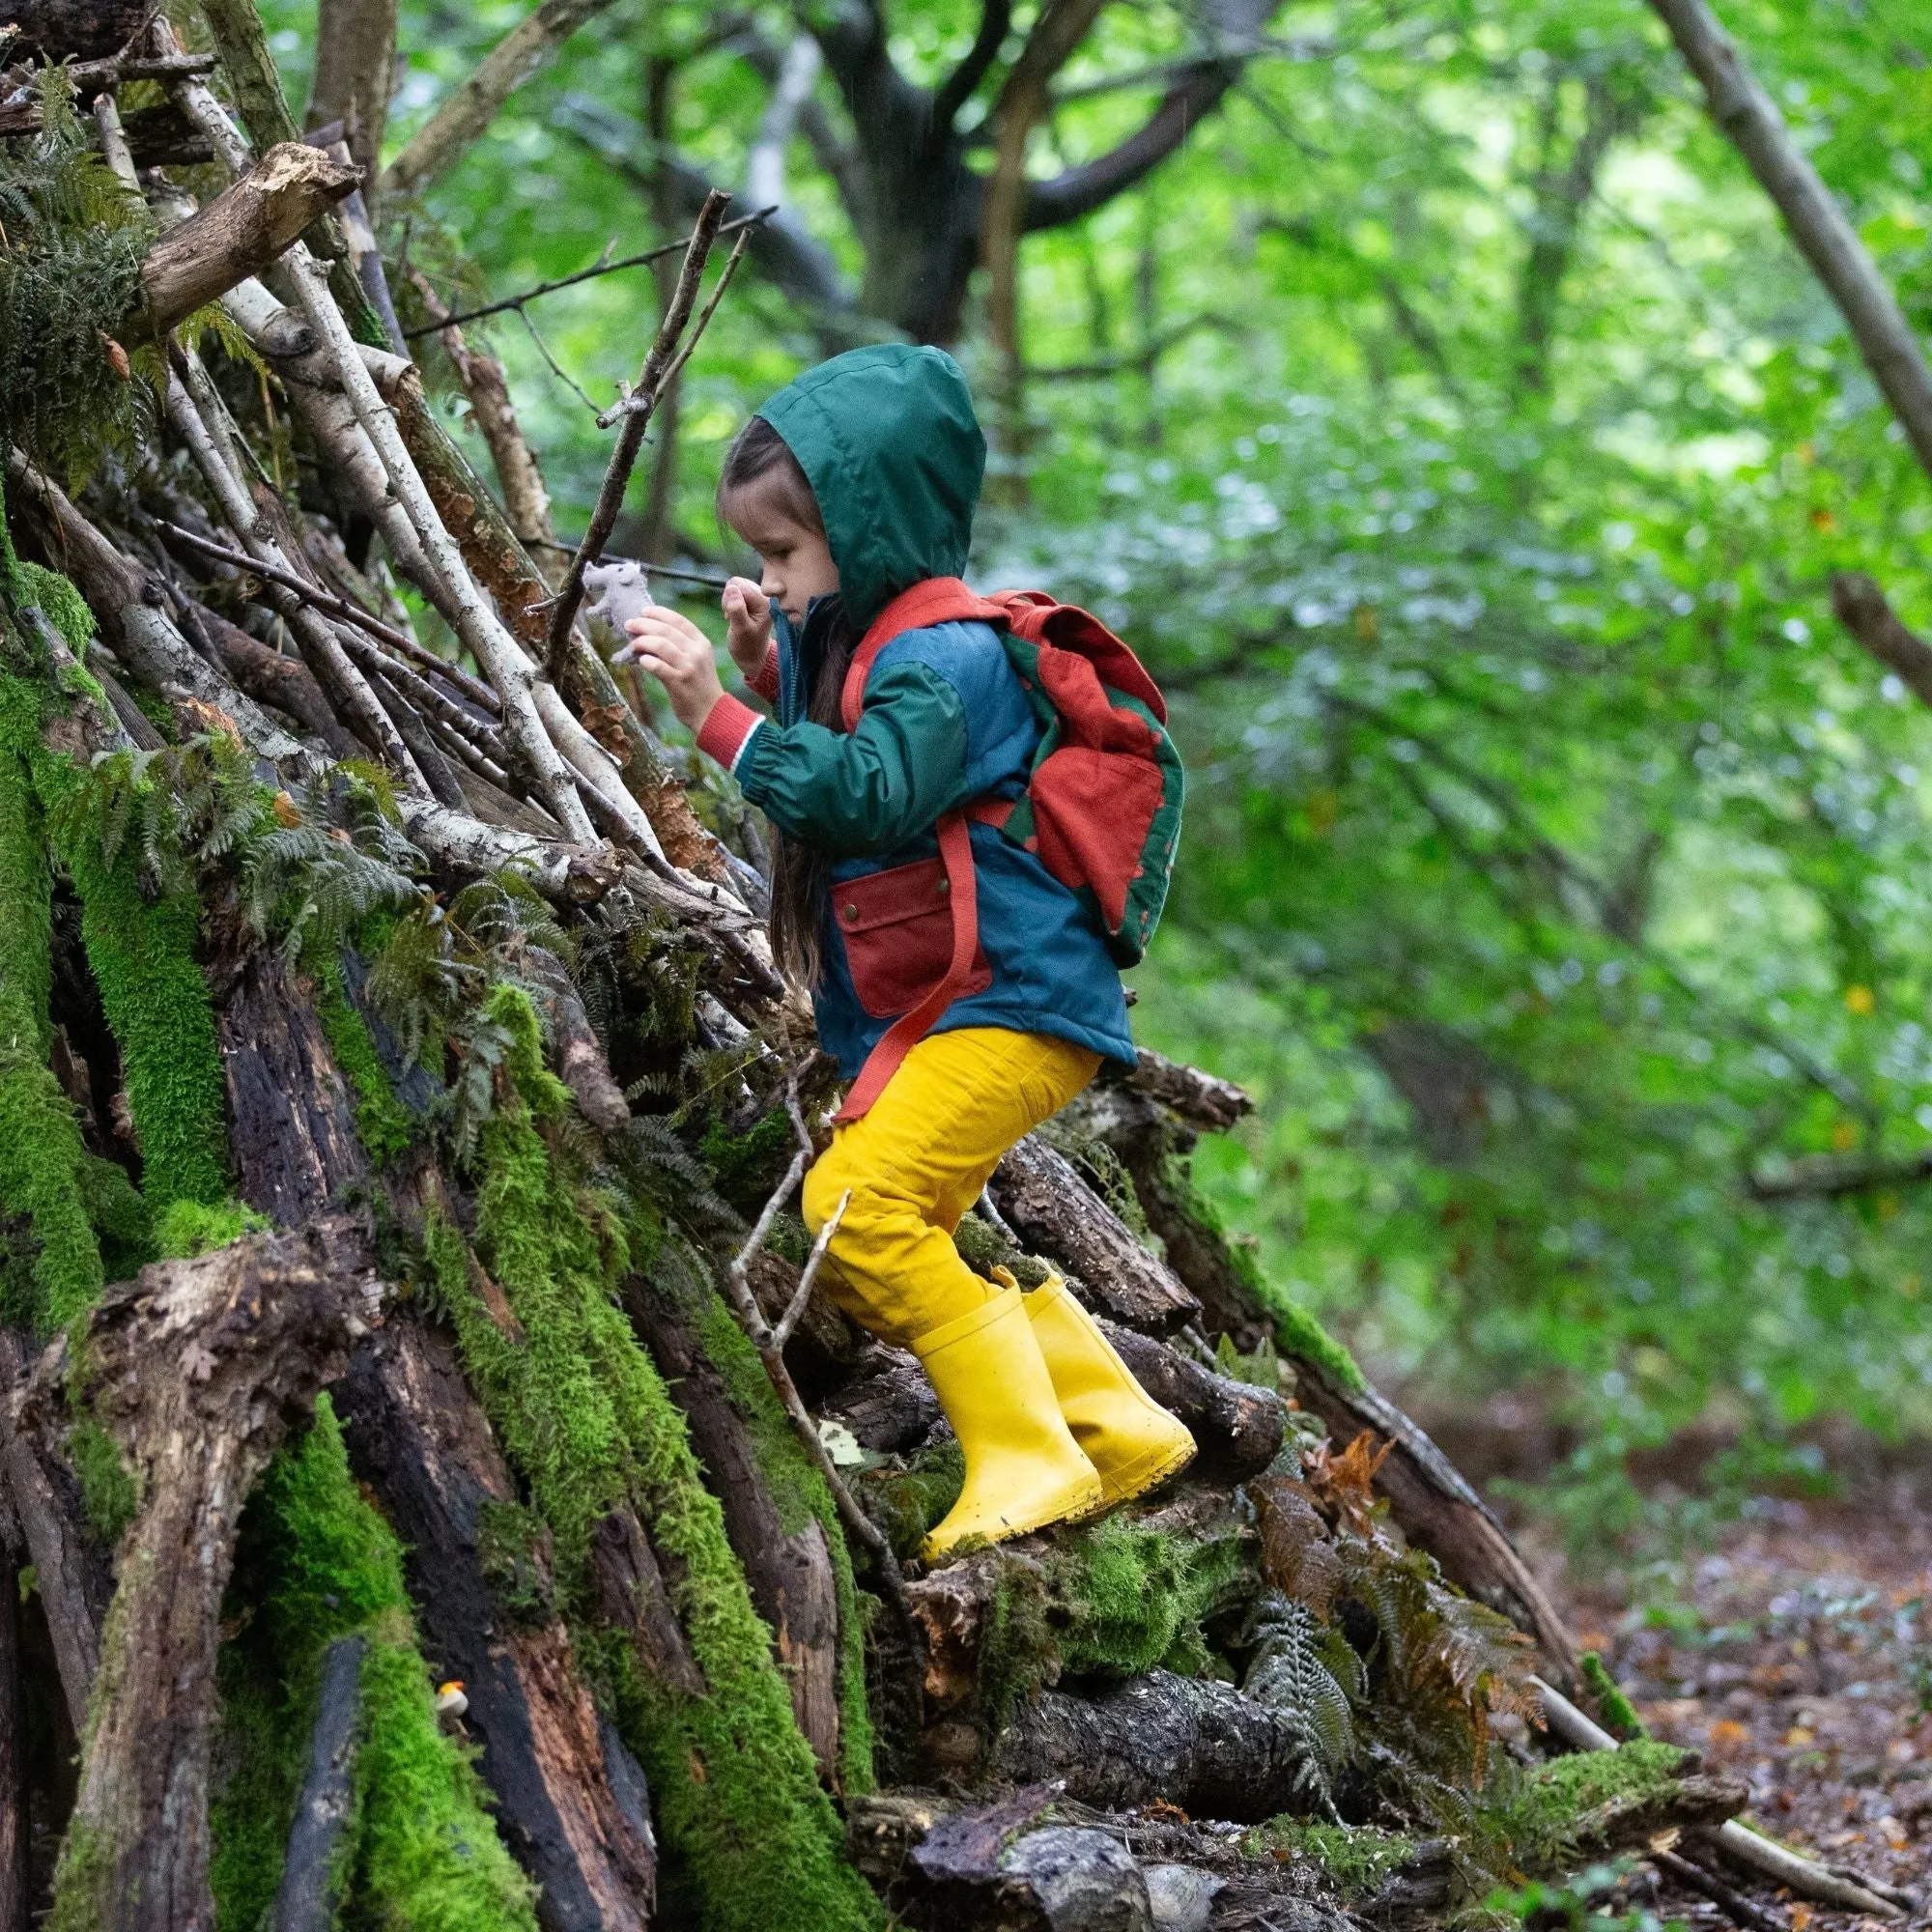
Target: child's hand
748	633
675	652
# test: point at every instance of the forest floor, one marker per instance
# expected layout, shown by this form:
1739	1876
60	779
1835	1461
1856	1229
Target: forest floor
1794	1649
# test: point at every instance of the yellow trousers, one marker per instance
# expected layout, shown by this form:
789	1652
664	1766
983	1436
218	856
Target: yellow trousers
917	1161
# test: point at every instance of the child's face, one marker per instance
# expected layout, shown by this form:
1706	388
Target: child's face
797	561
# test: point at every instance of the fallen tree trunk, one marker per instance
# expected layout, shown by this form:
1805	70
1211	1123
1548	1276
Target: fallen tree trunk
790	1573
423	1446
1184	1741
1435	1507
73	1581
198	1368
1056	1215
312	1873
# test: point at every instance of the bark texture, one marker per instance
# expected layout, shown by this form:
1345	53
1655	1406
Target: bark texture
311	1877
1189	1742
790	1574
1056	1215
240	231
420	1441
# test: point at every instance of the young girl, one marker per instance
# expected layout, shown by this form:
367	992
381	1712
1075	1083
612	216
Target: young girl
854	485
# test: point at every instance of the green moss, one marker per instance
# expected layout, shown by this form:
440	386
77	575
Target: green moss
751	1840
1359	1858
1297	1332
26	910
1136	1596
159	1007
1549	1809
982	1248
512	1552
108	1492
316	1562
119	1215
186	1227
382	1123
142	956
64	606
747	1164
1114	1601
1615	1711
43	1162
908	1502
42	1159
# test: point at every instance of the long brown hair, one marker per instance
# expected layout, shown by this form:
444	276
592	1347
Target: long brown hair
759	459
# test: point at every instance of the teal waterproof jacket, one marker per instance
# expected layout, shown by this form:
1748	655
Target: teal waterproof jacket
888	439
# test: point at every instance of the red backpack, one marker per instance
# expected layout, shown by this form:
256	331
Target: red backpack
1102	803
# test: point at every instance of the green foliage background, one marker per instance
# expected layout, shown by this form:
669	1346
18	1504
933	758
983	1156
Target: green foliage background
1554	863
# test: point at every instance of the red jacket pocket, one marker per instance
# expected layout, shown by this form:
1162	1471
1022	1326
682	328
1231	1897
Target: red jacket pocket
897	926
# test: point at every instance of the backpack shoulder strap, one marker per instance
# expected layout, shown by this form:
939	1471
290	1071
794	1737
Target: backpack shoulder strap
939	600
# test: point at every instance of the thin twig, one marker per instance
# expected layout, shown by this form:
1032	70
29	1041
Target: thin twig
637	401
789	1321
340	607
1731	1902
631	439
677	571
557	368
598	268
771	1352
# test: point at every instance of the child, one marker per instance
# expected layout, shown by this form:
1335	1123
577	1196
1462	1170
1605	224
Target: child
853	485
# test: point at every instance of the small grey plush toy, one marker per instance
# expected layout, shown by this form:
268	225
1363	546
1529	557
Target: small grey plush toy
615	593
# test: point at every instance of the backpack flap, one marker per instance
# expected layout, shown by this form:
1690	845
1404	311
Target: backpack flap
1102	806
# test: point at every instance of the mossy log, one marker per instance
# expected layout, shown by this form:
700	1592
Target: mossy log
1435	1506
478	1570
197	1370
789	1572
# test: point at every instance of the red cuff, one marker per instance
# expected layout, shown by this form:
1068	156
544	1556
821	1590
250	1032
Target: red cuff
766	682
727	726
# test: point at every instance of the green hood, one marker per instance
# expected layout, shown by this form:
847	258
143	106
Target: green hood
888	439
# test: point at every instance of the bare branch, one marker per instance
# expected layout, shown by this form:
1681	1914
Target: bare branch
599	267
240	231
784	249
631	439
1197	92
344	611
1141	358
996	16
1747	114
808	1274
1860	605
1831	1177
525	497
436	146
771	1352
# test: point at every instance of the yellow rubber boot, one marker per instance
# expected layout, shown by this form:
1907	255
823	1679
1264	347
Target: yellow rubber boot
1022	1468
1127	1436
